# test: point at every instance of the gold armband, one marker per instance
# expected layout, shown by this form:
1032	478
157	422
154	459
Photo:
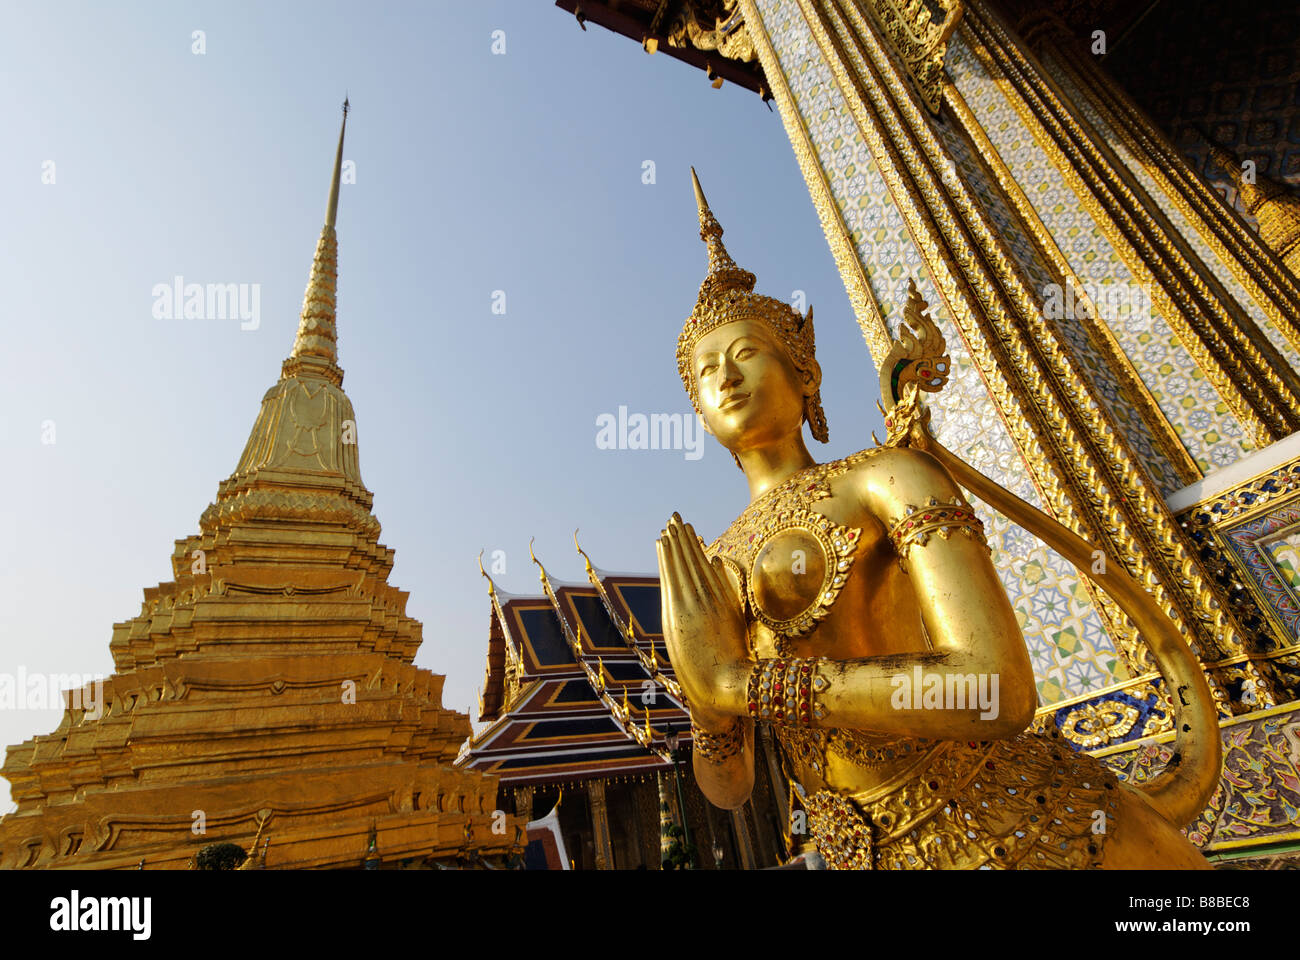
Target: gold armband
785	691
918	523
716	747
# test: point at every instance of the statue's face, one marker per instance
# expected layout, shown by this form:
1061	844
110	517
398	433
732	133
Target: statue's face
751	394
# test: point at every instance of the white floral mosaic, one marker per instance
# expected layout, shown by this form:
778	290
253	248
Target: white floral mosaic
1209	432
1096	368
1167	206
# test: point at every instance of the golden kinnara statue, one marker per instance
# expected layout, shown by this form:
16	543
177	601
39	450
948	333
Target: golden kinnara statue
854	607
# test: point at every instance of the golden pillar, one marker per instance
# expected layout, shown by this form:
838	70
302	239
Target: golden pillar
1245	263
744	843
1017	218
600	825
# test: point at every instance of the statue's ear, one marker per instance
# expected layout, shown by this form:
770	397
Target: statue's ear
704	423
812	377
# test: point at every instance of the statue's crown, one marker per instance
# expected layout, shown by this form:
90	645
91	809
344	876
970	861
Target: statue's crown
727	294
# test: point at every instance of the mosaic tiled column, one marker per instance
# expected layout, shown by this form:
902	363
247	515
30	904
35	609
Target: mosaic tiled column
1058	410
1212	332
1246	267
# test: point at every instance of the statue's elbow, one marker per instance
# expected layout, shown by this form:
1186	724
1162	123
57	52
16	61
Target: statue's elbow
1011	716
724	792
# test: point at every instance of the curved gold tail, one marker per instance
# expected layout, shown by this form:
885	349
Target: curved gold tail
1182	790
917	362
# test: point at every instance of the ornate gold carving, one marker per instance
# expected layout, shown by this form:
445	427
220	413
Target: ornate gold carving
784	508
916	361
1001	805
917	524
837	827
1096	723
288	505
1274	207
1250	261
785	691
1035	414
727	35
919	41
716	747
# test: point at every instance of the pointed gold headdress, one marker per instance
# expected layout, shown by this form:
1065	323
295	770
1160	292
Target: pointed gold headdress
727	294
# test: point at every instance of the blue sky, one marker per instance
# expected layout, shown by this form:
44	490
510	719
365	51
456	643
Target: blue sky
475	173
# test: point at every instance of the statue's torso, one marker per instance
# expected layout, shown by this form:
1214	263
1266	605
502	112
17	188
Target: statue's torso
819	578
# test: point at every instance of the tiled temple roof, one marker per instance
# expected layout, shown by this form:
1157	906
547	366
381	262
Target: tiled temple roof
578	682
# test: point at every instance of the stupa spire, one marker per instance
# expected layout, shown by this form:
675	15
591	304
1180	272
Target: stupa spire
317	335
1275	208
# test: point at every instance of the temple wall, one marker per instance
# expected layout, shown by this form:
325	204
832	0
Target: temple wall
1172	377
1202	241
1069	646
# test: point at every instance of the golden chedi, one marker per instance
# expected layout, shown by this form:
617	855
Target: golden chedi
853	607
267	694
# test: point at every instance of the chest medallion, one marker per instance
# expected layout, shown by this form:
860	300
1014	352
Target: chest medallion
793	560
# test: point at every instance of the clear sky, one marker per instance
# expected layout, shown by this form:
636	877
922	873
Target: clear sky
476	172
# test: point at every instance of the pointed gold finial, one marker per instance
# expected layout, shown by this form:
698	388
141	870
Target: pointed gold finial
332	210
1275	208
492	587
699	195
542	574
723	272
317	339
591	571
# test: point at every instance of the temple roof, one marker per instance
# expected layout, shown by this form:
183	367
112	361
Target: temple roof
703	33
578	683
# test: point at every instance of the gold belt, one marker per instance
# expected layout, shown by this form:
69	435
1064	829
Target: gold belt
1028	802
